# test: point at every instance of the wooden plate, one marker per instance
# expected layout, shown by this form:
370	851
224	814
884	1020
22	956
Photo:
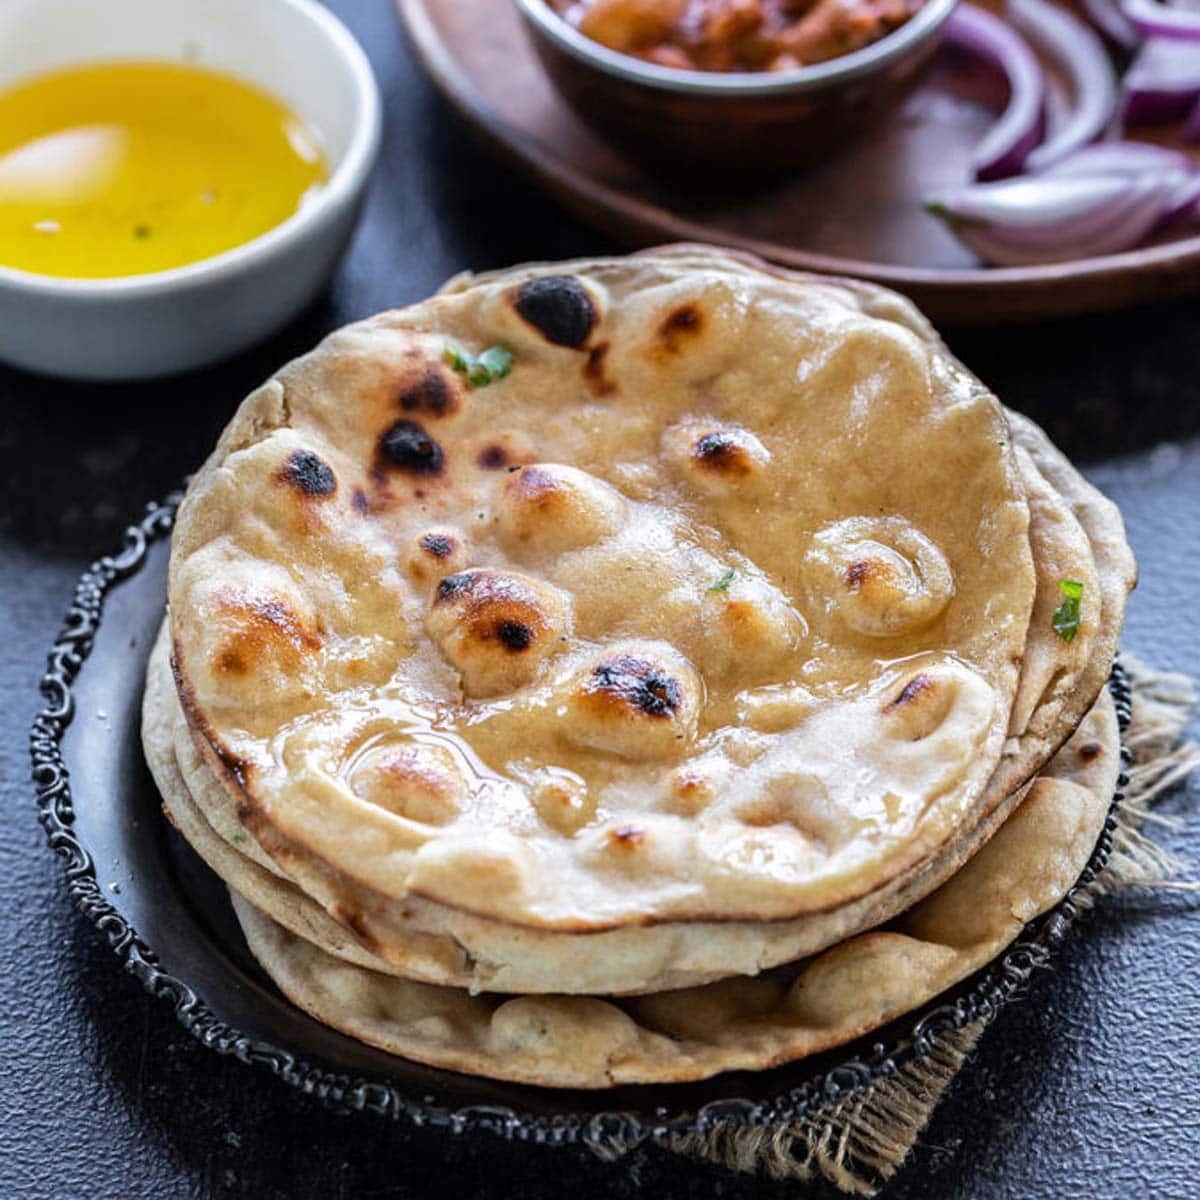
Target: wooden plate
859	215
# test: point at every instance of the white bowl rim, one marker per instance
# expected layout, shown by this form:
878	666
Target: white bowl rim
924	22
342	186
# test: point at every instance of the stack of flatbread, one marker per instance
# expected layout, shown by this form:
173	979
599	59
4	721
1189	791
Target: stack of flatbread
633	669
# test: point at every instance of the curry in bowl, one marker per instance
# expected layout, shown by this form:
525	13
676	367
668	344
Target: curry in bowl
735	35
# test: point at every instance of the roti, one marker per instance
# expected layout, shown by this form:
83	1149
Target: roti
737	640
440	945
738	1024
444	946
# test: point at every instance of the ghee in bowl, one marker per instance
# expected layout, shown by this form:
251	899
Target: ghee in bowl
126	168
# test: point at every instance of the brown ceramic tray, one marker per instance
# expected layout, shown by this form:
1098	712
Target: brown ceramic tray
858	215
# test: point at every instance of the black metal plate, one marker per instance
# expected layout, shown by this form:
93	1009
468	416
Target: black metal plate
168	918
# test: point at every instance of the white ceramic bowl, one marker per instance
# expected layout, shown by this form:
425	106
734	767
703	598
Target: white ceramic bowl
147	325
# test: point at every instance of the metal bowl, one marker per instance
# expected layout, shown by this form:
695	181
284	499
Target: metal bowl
723	125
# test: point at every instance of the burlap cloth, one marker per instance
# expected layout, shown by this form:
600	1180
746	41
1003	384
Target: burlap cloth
858	1141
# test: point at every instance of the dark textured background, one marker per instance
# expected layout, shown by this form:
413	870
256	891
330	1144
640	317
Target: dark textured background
1087	1087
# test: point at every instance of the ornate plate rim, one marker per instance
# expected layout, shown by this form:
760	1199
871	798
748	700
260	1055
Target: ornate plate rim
606	1133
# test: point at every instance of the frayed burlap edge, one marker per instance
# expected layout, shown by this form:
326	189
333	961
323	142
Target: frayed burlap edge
858	1141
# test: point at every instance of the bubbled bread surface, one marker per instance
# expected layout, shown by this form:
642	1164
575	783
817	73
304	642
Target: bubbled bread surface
711	608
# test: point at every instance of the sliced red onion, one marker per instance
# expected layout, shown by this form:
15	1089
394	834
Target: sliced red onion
1019	129
1083	59
1120	158
1185	205
1132	159
1107	17
1056	218
1191	131
1156	20
1162	83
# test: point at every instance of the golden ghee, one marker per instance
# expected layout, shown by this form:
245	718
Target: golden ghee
123	168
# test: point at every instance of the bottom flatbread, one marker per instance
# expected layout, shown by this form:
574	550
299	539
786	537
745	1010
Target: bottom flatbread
735	1024
585	965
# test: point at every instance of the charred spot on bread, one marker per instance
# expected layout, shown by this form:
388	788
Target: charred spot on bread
435	553
559	308
716	457
454	586
552	508
406	446
492	458
916	687
439	545
593	371
634	701
495	627
721	452
309	474
877	576
515	635
857	571
431	394
637	682
259	624
627	836
678	325
411	779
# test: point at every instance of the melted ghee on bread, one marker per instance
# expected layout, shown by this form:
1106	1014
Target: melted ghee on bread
710	607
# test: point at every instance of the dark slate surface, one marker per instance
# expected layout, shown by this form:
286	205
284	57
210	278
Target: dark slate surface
1086	1088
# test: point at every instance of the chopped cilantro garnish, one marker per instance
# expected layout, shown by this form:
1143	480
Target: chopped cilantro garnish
723	584
239	838
497	361
1066	615
494	363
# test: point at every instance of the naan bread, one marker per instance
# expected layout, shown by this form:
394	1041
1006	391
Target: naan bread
737	640
737	1024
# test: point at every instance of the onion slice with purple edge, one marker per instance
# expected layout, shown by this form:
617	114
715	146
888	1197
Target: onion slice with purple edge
1007	144
1064	213
1163	81
1191	131
1083	59
1161	20
1121	158
1134	159
1186	203
1106	16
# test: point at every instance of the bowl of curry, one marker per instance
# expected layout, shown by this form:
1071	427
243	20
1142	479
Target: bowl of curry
724	87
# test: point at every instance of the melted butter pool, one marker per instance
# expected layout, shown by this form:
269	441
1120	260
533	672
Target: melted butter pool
126	168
